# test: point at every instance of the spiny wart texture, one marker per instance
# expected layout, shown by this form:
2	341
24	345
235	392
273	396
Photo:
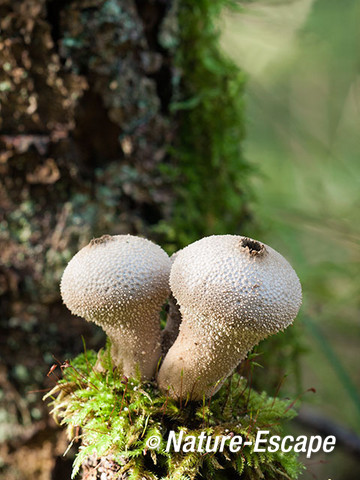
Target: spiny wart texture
233	292
219	277
120	282
119	274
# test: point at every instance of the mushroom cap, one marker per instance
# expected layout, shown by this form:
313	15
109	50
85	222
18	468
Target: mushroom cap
235	281
113	276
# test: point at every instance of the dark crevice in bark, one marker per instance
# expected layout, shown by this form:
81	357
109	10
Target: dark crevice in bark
62	469
164	86
152	15
53	13
96	135
151	212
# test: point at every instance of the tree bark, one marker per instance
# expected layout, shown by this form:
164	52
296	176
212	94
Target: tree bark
85	87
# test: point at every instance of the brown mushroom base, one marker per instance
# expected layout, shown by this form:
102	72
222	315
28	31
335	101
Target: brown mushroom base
198	364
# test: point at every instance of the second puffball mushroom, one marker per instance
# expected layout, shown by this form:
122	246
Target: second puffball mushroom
233	292
121	282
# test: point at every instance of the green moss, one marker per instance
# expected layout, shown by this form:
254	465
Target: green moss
211	172
113	415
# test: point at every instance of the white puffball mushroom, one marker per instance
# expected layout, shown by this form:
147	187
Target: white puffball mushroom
233	291
120	282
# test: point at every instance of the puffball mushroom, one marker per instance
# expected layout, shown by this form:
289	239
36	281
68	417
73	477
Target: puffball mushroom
120	283
233	291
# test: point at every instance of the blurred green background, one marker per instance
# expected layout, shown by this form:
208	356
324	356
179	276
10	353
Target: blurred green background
302	60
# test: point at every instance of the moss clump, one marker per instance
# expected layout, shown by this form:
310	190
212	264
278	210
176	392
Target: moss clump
114	415
209	170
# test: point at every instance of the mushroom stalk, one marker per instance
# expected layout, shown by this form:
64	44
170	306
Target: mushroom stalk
136	352
201	359
233	292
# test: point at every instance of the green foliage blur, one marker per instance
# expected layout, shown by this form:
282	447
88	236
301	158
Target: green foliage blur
302	108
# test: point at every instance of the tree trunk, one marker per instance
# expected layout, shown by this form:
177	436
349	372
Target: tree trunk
84	90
